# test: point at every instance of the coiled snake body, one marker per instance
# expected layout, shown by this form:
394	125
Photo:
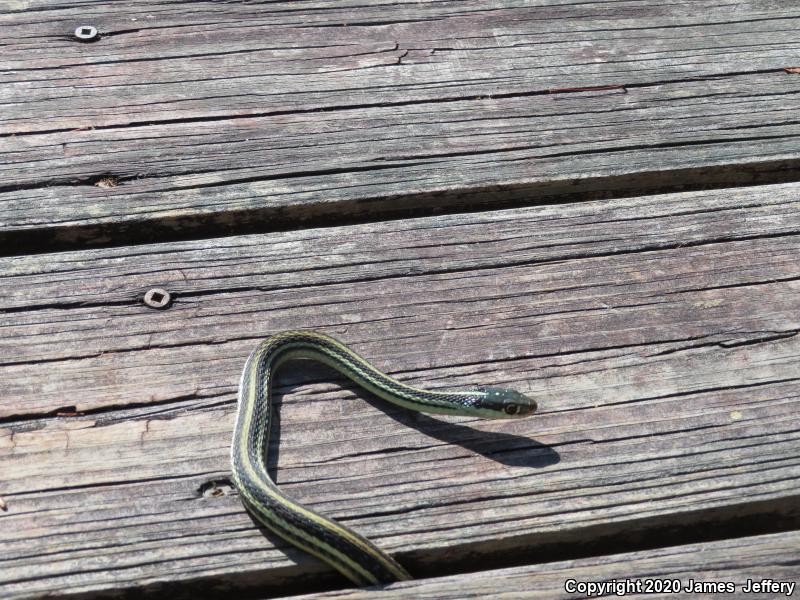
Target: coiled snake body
351	554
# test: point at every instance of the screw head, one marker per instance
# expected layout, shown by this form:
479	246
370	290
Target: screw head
157	298
86	33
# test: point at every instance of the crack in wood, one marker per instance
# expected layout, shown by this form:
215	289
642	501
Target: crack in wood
445	99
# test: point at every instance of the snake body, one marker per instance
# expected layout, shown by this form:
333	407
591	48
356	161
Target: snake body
351	554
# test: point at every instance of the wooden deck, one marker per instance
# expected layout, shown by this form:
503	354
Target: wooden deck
597	203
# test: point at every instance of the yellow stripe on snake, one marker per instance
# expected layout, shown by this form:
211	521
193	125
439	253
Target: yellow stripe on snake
351	554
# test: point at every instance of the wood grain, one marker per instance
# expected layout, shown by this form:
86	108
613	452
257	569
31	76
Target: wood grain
452	105
164	61
661	340
728	561
658	332
59	307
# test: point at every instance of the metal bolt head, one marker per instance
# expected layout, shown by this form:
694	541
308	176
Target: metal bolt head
157	298
86	33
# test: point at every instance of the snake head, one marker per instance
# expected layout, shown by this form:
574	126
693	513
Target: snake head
508	404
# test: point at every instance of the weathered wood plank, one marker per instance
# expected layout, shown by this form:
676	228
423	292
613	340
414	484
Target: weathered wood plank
140	517
55	298
272	171
189	60
440	104
733	112
662	342
730	562
274	162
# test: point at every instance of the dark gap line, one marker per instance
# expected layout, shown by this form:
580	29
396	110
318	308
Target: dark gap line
374	209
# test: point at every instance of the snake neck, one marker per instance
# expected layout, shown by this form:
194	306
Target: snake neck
255	389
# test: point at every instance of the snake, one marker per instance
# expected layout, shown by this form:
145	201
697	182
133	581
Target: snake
354	556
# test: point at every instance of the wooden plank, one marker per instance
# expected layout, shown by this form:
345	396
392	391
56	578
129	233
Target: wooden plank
742	563
271	171
662	343
169	171
483	128
56	296
193	60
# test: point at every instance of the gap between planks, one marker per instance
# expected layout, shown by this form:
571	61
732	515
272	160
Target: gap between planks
736	562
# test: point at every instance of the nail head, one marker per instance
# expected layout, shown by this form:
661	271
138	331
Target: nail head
86	33
157	298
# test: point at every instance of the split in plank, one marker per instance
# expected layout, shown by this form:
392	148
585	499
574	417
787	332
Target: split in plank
741	562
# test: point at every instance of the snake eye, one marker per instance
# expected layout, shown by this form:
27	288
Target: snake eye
511	409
